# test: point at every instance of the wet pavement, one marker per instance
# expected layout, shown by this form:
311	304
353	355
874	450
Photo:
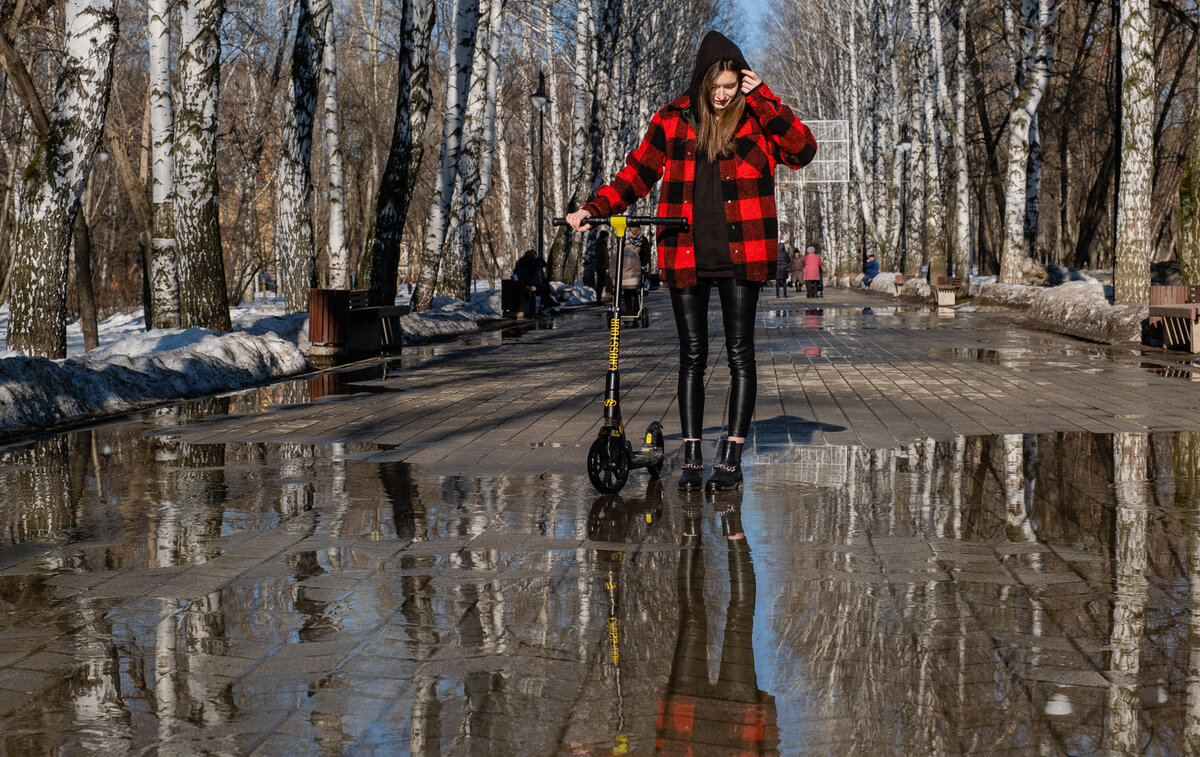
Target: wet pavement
956	536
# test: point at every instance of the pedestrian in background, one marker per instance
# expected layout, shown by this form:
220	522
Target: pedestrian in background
795	270
717	145
870	270
601	263
811	263
781	270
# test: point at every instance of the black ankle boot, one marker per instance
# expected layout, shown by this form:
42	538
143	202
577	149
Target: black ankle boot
727	470
692	478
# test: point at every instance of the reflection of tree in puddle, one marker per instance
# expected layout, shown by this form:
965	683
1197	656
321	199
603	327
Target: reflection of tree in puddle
1122	734
37	484
957	583
1187	498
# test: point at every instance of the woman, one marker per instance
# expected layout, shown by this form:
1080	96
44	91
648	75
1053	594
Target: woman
796	270
812	271
781	270
716	148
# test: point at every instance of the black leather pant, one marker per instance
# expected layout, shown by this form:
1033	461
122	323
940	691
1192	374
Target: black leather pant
739	300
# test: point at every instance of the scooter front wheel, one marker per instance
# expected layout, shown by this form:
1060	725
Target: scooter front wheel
608	463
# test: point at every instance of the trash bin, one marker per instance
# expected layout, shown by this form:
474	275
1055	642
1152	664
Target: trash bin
328	321
512	296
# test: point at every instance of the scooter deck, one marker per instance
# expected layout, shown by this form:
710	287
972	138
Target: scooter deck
644	458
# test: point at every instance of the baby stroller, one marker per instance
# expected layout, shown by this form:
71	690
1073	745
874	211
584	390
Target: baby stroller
633	291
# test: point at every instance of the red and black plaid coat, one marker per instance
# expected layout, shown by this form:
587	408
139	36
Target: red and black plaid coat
769	134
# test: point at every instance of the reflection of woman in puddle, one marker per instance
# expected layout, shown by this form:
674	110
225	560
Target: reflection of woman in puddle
732	715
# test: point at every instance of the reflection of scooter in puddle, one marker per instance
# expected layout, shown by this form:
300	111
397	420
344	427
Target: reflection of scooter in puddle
732	715
617	521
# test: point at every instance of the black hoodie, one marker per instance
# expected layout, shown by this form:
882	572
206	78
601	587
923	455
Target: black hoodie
716	46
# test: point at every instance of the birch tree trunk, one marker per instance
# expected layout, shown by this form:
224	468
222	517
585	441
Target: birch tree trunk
1038	18
474	163
1189	213
407	151
294	250
53	181
962	189
935	96
466	23
1131	272
339	252
203	300
565	250
164	272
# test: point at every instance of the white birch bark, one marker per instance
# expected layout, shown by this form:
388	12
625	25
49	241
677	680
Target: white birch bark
339	252
1131	272
164	273
203	300
1038	17
466	23
935	97
294	249
474	163
507	221
921	147
962	189
54	180
567	247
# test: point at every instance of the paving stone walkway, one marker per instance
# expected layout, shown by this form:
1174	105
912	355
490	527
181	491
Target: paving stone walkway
847	369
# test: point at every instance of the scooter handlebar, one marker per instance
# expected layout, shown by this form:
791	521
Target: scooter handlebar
670	222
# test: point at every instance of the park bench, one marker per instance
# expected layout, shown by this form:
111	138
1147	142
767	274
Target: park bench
898	282
341	323
1178	320
518	298
946	288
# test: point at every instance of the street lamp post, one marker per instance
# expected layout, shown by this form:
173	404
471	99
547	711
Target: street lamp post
541	101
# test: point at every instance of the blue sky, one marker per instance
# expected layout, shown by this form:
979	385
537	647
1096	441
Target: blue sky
753	13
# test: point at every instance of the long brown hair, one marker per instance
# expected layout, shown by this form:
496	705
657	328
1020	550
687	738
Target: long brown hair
717	127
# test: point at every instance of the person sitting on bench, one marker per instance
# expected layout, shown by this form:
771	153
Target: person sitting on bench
530	270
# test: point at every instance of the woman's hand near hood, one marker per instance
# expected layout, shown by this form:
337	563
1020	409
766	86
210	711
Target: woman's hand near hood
750	81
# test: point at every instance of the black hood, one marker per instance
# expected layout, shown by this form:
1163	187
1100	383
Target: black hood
716	46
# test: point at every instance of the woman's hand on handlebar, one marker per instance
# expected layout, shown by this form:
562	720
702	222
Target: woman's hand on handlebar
575	220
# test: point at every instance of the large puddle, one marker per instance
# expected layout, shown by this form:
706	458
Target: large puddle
1031	594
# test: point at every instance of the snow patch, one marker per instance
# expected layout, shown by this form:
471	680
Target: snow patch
1079	308
138	370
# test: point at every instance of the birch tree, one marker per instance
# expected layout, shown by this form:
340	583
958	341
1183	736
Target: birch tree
294	246
407	151
475	159
564	257
1131	274
935	96
339	251
1032	67
458	82
53	181
962	190
203	300
163	273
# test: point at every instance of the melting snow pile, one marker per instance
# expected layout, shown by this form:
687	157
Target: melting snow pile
145	368
1079	308
449	316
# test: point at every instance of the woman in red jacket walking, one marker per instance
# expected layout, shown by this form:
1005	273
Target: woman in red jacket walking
715	149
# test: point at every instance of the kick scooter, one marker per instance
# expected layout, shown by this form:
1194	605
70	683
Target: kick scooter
612	456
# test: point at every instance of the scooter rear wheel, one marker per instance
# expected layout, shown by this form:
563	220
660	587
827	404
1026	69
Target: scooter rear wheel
654	438
608	463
